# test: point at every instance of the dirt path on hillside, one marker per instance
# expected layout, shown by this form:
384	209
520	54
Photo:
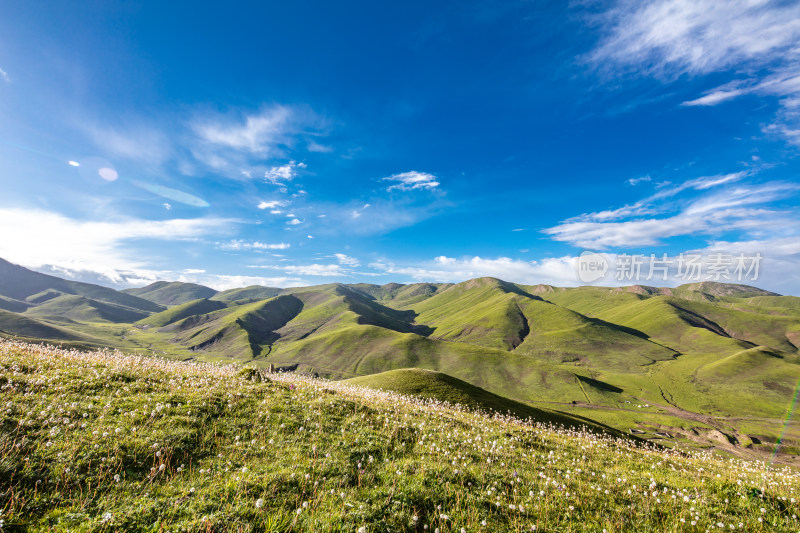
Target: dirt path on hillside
719	438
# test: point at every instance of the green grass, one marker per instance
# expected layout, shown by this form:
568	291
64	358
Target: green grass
85	310
253	292
700	348
172	293
105	442
23	326
179	312
442	387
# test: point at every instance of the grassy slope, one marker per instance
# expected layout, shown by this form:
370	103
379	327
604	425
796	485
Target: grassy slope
489	312
610	346
238	332
172	293
85	310
97	442
725	289
15	306
438	386
399	296
483	311
19	283
253	292
179	312
15	324
364	349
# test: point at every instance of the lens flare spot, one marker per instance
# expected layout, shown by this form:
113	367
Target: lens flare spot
172	194
73	163
108	174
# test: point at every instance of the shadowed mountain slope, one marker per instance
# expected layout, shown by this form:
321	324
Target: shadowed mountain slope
83	309
179	312
19	283
23	326
443	387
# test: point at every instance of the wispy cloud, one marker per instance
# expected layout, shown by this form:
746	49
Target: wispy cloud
380	215
667	38
409	181
347	260
259	134
738	208
756	41
637	181
238	143
4	76
332	270
240	244
653	204
131	139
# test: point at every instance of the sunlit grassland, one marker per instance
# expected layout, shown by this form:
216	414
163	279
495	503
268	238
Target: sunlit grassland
108	442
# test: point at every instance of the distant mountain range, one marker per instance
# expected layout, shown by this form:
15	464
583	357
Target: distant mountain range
703	359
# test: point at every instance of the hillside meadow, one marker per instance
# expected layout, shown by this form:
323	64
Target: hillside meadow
101	441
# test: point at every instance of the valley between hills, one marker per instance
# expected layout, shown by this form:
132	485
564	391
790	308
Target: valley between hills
705	365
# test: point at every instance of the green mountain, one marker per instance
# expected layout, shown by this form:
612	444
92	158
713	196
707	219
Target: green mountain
200	306
85	310
699	362
13	324
20	283
253	292
172	293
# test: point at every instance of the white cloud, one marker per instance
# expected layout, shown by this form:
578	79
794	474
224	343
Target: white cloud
315	270
556	271
4	76
637	181
294	222
756	41
316	147
271	204
231	142
239	244
650	205
672	37
282	173
347	260
259	134
35	238
728	210
131	139
715	97
224	282
409	181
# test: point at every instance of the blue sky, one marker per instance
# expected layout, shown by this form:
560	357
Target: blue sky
295	143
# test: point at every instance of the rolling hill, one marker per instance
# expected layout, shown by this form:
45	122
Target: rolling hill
84	309
20	283
172	293
697	360
438	386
